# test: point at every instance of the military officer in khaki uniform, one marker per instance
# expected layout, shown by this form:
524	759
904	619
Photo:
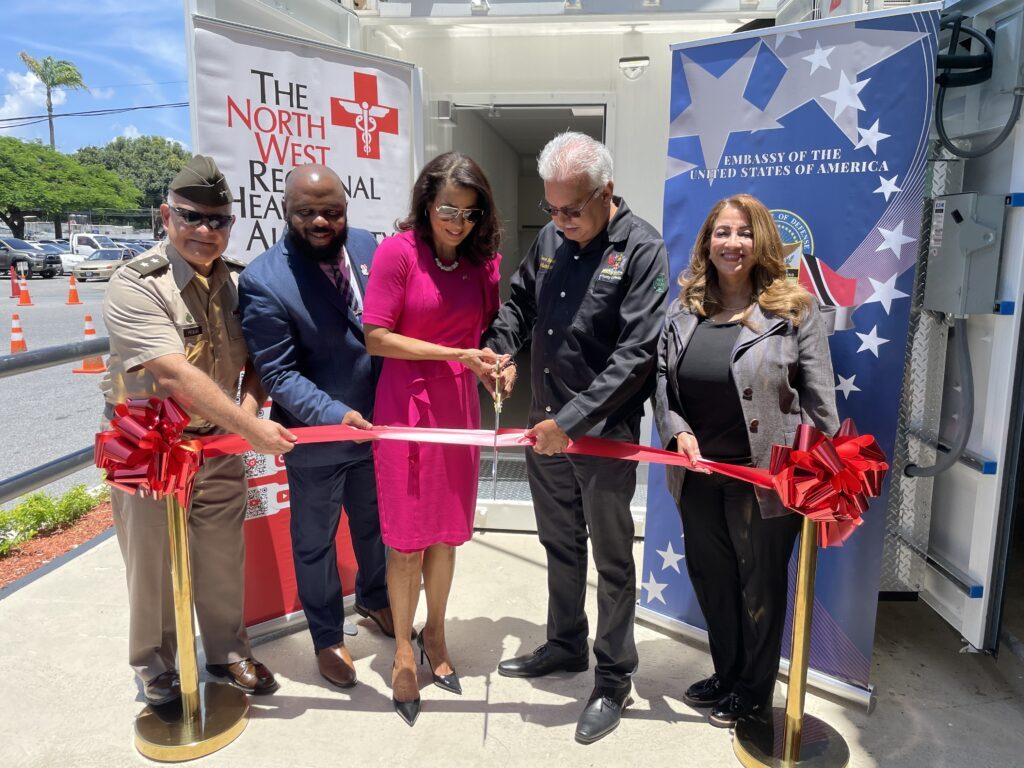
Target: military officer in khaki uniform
172	315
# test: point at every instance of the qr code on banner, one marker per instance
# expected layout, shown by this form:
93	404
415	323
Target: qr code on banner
256	503
255	464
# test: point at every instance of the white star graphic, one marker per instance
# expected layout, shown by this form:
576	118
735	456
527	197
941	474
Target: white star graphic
885	293
669	558
888	187
871	341
869	137
893	239
846	386
845	95
676	167
819	58
654	589
702	118
783	35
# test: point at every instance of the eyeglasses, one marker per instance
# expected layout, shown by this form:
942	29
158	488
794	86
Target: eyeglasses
195	219
570	213
450	213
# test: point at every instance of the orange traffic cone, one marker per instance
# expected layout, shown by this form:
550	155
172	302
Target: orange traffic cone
90	364
17	335
24	300
15	290
73	292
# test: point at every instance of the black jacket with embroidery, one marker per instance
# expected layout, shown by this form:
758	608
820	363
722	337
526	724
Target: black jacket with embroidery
593	316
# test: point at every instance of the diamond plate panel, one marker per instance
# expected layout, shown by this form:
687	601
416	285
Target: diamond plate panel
908	517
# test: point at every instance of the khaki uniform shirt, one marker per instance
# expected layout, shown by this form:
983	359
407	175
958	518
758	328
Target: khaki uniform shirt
157	305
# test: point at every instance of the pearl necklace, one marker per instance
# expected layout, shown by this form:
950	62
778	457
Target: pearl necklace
446	267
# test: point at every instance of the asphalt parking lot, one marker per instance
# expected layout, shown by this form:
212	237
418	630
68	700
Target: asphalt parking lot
51	412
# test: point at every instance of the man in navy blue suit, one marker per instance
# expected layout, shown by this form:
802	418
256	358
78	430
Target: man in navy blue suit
301	305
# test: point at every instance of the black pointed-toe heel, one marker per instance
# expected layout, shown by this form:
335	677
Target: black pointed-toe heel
407	710
447	682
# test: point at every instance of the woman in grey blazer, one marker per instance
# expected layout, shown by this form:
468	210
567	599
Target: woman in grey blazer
743	360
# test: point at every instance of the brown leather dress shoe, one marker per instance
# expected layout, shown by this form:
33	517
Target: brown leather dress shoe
336	667
247	675
162	689
381	617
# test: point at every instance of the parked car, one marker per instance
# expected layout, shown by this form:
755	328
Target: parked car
101	264
27	259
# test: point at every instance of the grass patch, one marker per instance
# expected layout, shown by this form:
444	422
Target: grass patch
41	513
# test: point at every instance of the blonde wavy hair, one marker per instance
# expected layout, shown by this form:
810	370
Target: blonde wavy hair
771	290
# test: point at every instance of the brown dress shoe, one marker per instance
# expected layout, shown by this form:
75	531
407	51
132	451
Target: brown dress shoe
381	617
247	675
162	689
336	665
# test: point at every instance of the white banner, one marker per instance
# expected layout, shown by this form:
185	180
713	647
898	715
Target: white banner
265	103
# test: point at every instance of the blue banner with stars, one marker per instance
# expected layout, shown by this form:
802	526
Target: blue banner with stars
827	123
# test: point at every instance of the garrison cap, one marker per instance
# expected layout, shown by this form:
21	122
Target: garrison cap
200	181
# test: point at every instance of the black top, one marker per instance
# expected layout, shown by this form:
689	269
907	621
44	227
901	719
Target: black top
594	315
708	393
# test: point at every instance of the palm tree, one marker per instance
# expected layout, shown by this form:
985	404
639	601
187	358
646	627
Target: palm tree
54	73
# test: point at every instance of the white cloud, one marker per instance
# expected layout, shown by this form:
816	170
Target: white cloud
102	93
26	96
131	132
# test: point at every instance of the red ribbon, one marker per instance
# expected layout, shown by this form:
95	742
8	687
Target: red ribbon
826	479
144	453
829	480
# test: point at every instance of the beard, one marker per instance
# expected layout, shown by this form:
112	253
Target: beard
320	253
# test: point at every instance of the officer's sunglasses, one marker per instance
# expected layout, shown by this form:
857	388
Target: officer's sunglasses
570	213
450	213
195	219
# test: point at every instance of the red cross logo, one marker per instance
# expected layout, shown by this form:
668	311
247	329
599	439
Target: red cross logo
363	113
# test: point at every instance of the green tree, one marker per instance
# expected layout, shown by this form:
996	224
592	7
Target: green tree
149	162
54	73
37	180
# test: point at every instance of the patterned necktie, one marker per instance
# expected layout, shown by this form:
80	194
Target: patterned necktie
344	285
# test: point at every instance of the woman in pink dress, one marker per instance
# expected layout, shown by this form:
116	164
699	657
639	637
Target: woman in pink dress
433	289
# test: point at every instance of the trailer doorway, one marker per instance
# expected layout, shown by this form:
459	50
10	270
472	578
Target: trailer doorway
505	139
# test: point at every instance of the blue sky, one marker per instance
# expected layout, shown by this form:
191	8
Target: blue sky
130	52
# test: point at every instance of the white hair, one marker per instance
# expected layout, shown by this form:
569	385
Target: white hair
571	155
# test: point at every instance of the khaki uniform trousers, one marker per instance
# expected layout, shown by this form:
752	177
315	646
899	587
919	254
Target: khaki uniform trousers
217	555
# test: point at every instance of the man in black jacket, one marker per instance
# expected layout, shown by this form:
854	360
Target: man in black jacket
591	296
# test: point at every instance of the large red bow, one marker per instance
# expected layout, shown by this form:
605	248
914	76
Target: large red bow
829	480
144	451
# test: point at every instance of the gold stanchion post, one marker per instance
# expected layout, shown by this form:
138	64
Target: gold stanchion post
788	738
212	715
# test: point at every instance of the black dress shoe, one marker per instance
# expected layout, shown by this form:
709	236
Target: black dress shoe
706	692
543	661
246	675
447	682
731	709
162	689
602	714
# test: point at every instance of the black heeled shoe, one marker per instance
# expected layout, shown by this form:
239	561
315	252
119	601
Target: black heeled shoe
447	682
409	711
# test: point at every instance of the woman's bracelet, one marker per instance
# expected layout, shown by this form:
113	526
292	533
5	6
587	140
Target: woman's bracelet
508	364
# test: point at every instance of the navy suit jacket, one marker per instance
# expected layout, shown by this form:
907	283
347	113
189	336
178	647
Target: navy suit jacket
307	345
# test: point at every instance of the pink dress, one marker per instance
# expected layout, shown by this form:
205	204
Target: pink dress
427	492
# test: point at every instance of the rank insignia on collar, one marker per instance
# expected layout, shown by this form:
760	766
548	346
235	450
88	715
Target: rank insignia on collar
364	270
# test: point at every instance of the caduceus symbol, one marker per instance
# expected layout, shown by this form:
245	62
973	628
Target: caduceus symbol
366	120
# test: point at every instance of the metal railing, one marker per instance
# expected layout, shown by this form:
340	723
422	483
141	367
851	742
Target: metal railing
25	362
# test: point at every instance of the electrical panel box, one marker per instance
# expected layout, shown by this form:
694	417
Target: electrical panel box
963	253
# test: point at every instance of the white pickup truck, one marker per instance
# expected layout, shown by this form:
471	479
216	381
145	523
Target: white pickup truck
84	243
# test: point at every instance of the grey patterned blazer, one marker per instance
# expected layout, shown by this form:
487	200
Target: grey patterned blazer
783	378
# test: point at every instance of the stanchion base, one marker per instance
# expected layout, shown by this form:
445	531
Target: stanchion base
162	735
759	743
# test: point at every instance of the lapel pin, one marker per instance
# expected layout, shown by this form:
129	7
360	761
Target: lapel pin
365	270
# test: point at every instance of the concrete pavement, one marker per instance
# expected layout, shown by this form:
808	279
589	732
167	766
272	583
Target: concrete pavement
69	697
